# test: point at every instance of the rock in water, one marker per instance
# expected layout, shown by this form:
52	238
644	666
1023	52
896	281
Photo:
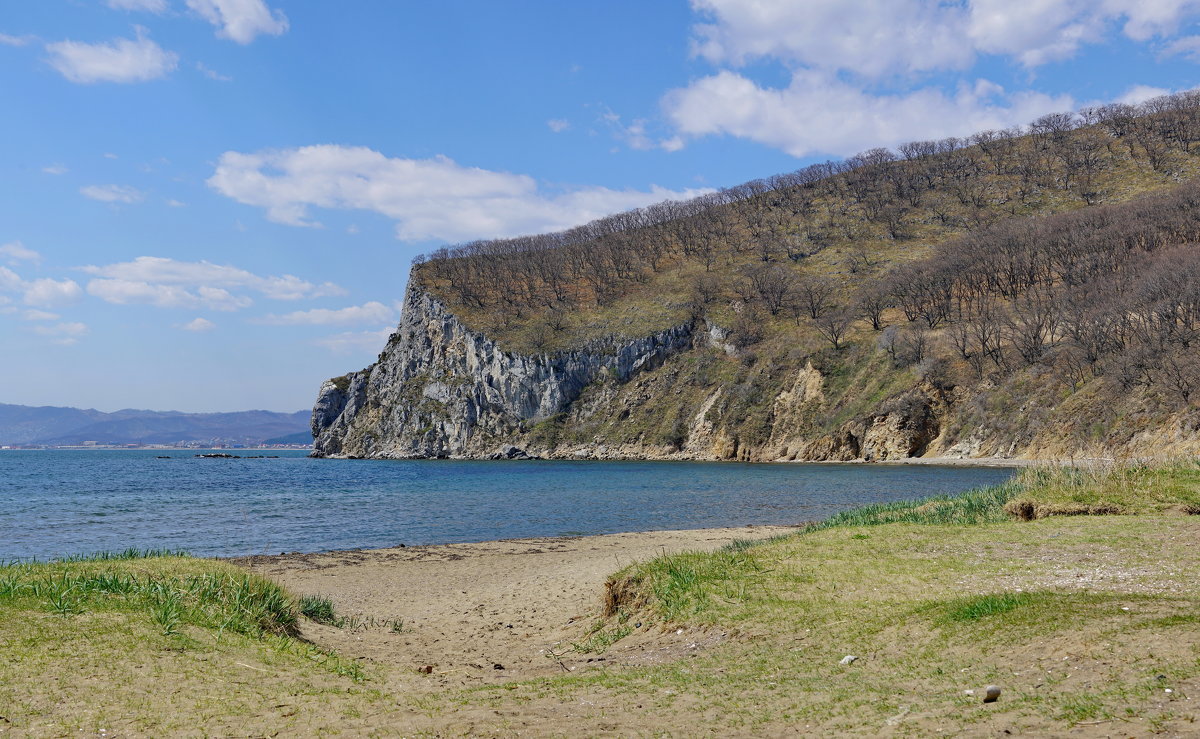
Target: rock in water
508	451
991	694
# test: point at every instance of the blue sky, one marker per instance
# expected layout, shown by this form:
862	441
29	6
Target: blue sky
213	204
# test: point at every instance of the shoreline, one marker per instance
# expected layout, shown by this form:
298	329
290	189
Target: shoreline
418	550
483	612
927	461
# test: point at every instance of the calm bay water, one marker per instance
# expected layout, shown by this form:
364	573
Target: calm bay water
54	503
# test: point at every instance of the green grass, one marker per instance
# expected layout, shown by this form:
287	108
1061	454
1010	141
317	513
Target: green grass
318	608
177	594
1117	488
984	606
1076	617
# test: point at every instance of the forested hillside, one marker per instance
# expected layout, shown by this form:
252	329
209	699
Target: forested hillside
1028	291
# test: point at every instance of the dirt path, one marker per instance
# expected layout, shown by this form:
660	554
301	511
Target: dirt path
474	613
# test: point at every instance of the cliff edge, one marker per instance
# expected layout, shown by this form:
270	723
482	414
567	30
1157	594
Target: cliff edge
440	389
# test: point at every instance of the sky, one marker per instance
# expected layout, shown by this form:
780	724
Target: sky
212	205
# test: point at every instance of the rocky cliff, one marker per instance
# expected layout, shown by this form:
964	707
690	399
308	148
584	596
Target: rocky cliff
440	389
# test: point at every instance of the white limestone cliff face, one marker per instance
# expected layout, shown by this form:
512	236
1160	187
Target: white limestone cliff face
440	389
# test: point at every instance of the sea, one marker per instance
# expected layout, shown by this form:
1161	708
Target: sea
56	503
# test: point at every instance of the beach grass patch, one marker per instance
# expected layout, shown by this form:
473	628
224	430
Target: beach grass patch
318	608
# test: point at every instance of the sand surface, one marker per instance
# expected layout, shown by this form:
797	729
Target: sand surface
469	614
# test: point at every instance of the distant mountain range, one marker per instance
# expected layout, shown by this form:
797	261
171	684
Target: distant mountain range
52	426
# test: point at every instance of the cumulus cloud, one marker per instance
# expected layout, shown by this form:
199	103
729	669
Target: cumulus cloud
40	293
199	325
870	37
149	6
877	38
120	60
558	125
817	113
55	169
355	341
113	193
429	198
241	20
137	292
862	71
14	252
372	312
63	333
170	283
47	293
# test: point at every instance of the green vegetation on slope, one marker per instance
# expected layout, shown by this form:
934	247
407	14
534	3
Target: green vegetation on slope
1029	291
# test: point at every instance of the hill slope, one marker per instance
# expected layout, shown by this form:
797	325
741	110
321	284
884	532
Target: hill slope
54	426
1018	293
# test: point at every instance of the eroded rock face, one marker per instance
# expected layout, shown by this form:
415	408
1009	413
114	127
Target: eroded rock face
440	389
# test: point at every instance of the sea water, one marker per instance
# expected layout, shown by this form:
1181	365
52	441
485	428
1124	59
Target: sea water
61	502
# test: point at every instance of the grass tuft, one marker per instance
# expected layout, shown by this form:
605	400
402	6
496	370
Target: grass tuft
318	608
985	606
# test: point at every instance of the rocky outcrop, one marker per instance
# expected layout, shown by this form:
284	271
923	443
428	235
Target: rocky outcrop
440	389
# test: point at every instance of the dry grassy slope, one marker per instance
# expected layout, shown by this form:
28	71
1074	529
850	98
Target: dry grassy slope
791	396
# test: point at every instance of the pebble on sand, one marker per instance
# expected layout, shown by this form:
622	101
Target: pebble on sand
991	694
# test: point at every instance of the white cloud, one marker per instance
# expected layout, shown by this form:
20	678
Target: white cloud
121	60
55	169
635	134
356	341
1187	47
199	325
241	20
429	198
33	314
113	193
136	292
40	293
8	40
821	114
63	333
48	293
176	203
15	251
372	312
884	38
869	37
10	281
1141	93
149	6
858	67
558	125
212	74
169	283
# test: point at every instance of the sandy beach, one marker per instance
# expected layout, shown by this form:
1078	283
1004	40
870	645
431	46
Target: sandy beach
484	612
